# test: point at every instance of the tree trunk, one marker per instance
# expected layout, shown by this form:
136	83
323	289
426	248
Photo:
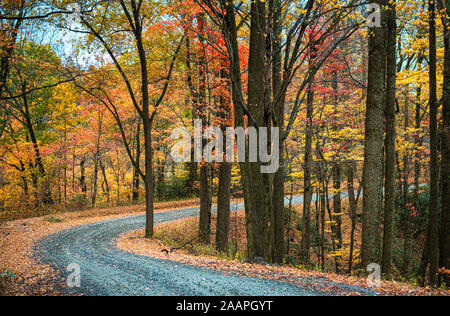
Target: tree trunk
256	193
278	243
307	187
337	211
46	190
7	46
136	176
223	207
406	199
107	190
96	159
353	210
389	209
83	177
193	168
95	179
148	178
223	195
434	163
161	184
445	162
373	150
322	203
258	189
337	201
205	201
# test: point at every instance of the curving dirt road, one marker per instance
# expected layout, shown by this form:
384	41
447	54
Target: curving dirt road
106	270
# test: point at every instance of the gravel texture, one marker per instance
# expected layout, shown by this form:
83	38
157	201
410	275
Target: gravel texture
108	271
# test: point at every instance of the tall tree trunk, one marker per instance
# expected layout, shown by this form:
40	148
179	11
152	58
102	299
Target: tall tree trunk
161	182
148	124
337	212
136	176
373	150
254	183
95	180
205	201
337	170
406	198
7	46
323	204
65	159
83	177
107	190
278	243
46	190
96	159
353	209
445	161
193	99
432	236
389	209
417	143
224	192
223	207
307	187
257	187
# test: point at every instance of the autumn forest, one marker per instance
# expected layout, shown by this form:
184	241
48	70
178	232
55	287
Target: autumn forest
353	95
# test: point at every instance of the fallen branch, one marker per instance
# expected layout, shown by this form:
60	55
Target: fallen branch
185	244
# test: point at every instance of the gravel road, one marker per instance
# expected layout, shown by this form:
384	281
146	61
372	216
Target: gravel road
108	271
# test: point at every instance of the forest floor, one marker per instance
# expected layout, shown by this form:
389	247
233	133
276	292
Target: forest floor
18	240
173	234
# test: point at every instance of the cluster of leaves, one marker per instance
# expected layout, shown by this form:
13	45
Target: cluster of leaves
6	278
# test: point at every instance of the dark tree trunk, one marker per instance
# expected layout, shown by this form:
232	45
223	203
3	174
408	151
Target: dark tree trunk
417	144
193	167
107	190
83	177
223	207
10	31
353	210
161	180
337	211
406	199
147	122
445	162
148	178
205	195
307	187
97	159
278	243
373	151
323	205
389	208
46	190
224	190
136	176
258	189
95	180
337	170
432	236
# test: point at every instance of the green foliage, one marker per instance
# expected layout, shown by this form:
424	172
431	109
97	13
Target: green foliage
6	278
176	189
79	202
53	219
